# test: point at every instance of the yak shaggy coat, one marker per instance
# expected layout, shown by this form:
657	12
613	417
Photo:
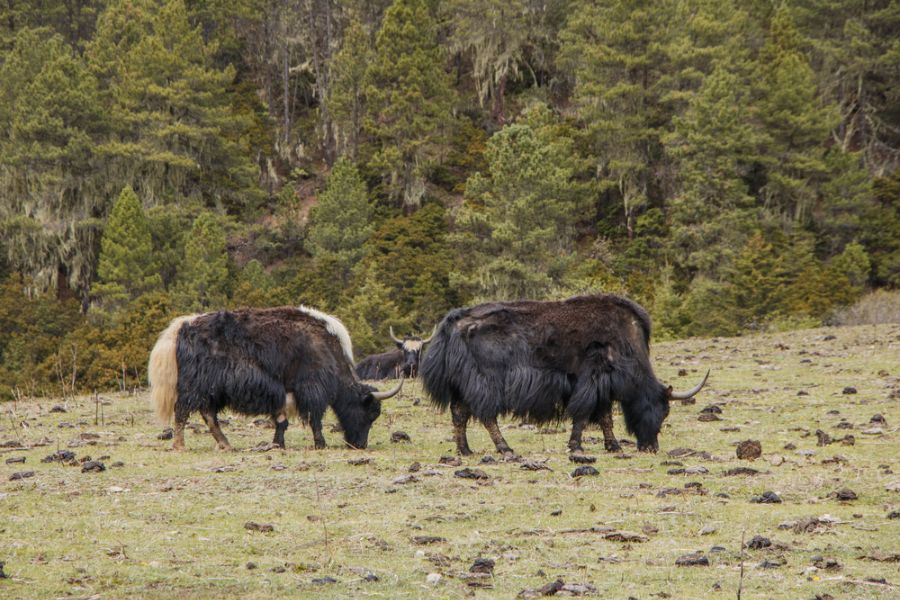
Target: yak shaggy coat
261	362
541	361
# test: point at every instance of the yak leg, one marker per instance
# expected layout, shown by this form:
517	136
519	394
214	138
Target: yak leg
178	444
575	439
212	421
318	439
461	416
497	437
281	425
609	439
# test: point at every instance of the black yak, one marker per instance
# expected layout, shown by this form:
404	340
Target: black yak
541	361
271	361
402	361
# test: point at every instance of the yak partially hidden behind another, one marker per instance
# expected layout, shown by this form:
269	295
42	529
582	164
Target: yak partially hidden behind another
272	361
541	361
402	361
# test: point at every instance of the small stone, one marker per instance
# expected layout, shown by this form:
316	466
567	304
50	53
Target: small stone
434	578
708	417
849	390
585	471
468	473
758	542
93	466
879	419
403	479
776	460
261	527
250	565
749	450
712	408
873	431
58	409
21	475
450	461
400	436
696	470
844	495
790	446
708	530
692	560
487	459
415	467
766	498
482	565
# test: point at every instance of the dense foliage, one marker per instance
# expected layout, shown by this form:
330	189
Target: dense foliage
732	166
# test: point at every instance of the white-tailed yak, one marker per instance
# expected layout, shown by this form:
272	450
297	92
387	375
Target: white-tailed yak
271	361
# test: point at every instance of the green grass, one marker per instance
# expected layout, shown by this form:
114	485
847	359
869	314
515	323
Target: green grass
169	525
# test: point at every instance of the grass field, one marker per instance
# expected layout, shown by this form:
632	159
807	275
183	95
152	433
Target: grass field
360	523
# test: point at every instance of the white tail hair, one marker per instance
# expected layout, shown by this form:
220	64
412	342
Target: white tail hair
335	328
162	370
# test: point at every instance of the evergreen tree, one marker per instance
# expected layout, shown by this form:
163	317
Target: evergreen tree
176	129
369	314
340	223
409	99
515	231
347	91
126	268
51	189
714	143
796	123
204	279
756	279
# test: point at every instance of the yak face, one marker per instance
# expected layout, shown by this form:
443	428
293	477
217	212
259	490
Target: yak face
644	416
359	415
411	348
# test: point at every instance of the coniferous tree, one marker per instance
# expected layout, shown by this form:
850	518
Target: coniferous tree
340	223
409	99
515	229
348	87
126	268
204	281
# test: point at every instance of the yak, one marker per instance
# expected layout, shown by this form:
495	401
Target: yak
541	361
272	361
402	361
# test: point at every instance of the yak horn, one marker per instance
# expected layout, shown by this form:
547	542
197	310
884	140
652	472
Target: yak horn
389	393
428	339
394	337
690	393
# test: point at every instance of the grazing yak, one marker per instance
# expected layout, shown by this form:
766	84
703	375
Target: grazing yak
541	361
271	361
401	361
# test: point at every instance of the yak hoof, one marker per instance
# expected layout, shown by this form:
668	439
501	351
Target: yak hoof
612	446
648	449
225	447
464	451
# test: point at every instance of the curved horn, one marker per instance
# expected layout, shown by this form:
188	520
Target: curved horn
428	339
389	393
394	337
691	392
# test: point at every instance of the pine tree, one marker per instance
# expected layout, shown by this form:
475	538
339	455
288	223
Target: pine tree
340	223
204	278
50	122
795	121
347	90
176	129
369	314
714	143
515	231
409	99
126	268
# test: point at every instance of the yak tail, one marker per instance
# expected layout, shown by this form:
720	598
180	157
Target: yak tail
162	370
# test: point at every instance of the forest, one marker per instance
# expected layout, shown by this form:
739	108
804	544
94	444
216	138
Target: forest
732	166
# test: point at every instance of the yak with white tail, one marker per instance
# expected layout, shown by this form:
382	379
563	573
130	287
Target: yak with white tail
271	361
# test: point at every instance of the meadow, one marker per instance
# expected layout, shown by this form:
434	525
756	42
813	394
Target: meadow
406	518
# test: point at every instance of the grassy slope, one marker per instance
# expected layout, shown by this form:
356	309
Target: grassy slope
177	528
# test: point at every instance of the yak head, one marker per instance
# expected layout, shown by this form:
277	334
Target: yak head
412	347
358	412
645	417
